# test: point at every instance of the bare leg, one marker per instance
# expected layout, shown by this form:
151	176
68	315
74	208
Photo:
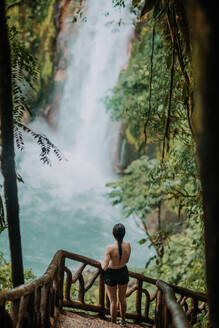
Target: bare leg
122	300
111	292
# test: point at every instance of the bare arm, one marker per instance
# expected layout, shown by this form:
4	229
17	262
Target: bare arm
129	252
105	262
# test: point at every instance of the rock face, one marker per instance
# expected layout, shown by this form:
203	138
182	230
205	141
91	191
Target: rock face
68	10
125	150
38	25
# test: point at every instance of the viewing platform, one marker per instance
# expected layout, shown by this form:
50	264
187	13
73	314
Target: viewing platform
55	299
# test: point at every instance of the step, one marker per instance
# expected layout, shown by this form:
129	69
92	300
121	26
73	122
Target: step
69	319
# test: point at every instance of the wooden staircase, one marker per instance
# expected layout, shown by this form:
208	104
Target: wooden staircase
40	304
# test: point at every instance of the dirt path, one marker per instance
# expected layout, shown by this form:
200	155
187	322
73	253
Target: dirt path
83	320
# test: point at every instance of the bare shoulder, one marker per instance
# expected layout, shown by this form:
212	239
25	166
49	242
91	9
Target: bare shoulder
109	248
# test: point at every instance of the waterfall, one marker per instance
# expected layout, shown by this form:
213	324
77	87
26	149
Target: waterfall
97	53
65	206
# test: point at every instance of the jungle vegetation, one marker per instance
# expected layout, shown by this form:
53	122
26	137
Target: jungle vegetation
156	98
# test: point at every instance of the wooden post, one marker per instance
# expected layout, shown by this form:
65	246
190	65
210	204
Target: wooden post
14	310
81	288
138	299
102	295
68	283
44	305
164	313
37	297
61	282
30	310
158	310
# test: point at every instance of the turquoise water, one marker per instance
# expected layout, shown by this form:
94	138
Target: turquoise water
62	213
66	206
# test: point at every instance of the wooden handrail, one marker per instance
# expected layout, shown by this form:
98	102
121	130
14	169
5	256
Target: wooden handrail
27	288
189	293
38	303
172	313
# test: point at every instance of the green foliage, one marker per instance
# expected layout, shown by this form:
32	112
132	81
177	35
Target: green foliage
36	23
146	182
119	3
183	261
25	73
154	98
131	100
5	274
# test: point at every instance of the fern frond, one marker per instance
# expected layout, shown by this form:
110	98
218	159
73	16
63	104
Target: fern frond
45	144
24	74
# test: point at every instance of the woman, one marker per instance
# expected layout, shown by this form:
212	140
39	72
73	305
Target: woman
115	272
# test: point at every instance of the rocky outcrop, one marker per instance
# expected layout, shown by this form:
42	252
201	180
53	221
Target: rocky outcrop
126	151
68	11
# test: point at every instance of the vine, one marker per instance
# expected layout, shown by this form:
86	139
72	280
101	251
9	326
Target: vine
150	84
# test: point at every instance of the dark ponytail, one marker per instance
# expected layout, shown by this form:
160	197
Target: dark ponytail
119	233
120	248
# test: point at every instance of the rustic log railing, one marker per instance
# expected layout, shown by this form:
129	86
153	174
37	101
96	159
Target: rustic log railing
178	307
38	303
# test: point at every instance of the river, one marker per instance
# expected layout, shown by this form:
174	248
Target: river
65	206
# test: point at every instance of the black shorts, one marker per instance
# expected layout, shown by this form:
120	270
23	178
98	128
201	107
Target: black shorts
113	277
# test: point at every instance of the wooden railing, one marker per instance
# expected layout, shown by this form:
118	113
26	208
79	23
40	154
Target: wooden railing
38	303
179	307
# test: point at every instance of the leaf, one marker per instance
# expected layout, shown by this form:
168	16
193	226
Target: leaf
142	241
19	177
149	261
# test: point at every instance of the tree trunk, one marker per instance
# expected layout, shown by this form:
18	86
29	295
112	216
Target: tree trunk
206	70
7	156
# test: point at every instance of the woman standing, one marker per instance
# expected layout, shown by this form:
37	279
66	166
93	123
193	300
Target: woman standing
115	272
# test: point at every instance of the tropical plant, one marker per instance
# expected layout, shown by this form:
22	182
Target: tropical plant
5	277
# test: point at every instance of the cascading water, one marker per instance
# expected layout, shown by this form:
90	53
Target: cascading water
65	206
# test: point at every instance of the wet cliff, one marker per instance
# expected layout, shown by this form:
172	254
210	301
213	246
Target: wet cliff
38	25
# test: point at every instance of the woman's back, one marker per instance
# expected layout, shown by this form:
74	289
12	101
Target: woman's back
115	261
